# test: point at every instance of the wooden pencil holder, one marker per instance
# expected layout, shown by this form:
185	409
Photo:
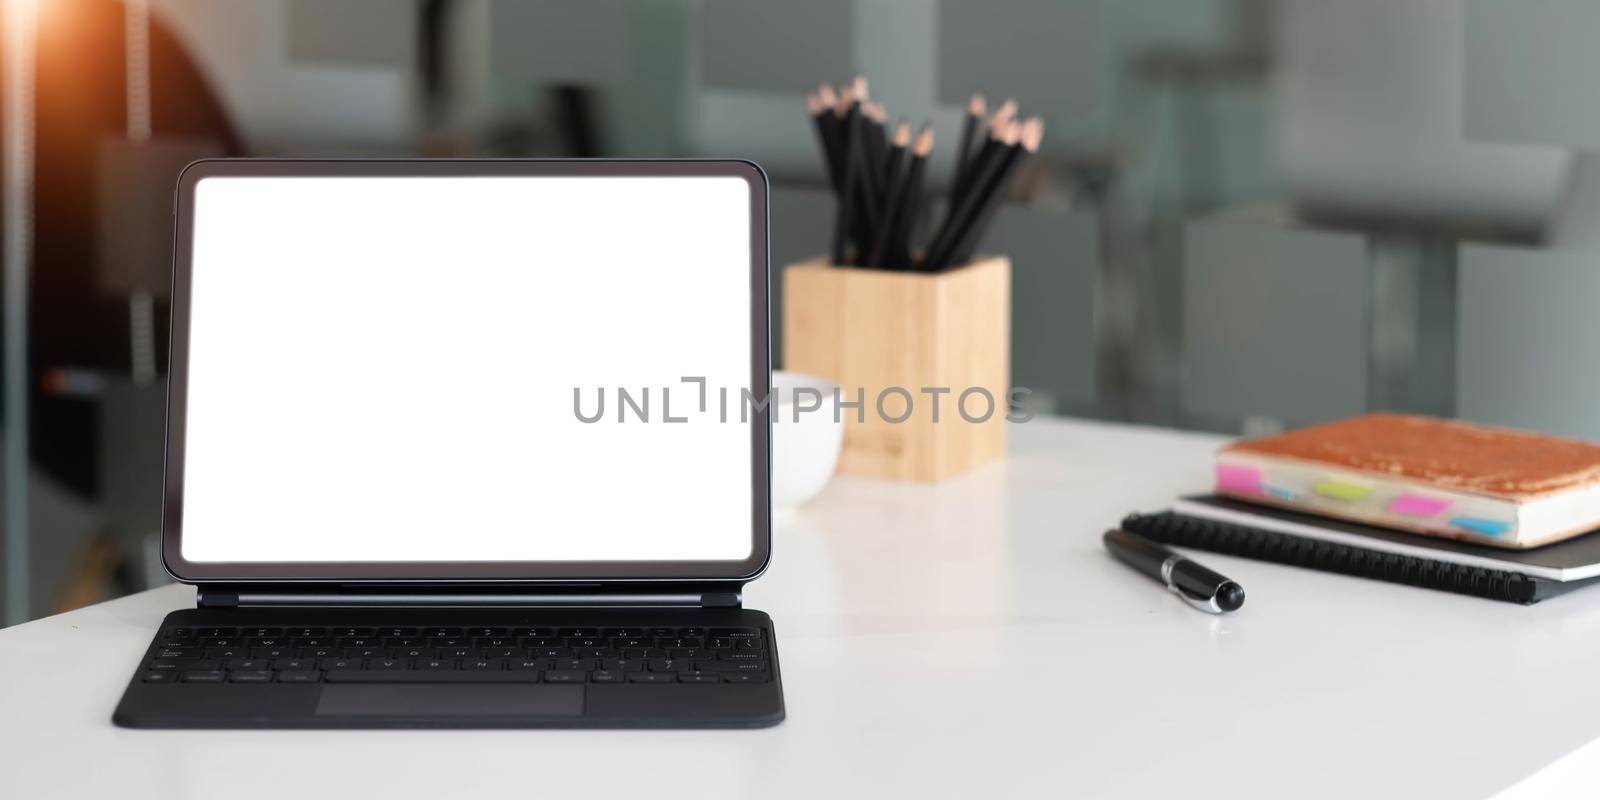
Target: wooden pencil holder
886	337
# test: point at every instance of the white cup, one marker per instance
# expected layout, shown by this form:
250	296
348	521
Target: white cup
805	447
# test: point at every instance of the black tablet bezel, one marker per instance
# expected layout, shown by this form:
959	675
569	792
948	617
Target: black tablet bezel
499	572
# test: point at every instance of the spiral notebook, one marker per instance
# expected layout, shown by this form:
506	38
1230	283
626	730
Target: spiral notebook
1219	524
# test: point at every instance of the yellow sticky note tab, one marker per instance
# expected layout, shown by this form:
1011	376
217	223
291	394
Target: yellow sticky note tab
1343	491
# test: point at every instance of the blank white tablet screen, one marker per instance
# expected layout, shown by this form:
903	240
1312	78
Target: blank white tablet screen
386	369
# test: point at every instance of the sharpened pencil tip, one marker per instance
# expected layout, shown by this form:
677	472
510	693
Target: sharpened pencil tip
924	144
1012	132
1032	134
1007	110
847	98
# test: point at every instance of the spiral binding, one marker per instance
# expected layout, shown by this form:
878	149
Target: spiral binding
1202	534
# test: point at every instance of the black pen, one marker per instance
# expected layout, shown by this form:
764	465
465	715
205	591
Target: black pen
1198	586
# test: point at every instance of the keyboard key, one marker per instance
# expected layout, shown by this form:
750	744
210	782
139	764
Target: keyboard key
550	652
494	641
442	632
731	666
746	677
299	632
352	632
256	632
737	632
221	641
693	633
271	652
565	676
250	676
434	664
528	663
318	652
741	655
313	641
606	676
398	632
620	642
225	652
542	641
622	664
456	652
360	641
699	677
364	652
662	633
433	676
574	664
388	664
650	677
669	665
248	664
499	652
635	633
485	632
591	641
748	644
343	663
534	632
680	642
411	652
178	652
203	676
579	633
719	643
483	664
186	663
297	664
213	632
594	652
269	641
160	677
308	675
180	633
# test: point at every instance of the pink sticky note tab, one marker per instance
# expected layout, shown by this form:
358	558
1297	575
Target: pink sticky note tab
1234	478
1415	505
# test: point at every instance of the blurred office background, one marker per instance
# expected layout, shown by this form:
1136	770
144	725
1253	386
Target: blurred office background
1248	214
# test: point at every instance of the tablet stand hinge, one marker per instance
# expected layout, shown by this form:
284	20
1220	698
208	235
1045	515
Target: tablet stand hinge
392	597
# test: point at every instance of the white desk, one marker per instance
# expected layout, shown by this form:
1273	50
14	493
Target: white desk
963	640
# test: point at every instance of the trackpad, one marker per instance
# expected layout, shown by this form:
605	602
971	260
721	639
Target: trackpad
429	700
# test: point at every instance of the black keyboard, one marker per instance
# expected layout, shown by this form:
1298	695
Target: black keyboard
490	654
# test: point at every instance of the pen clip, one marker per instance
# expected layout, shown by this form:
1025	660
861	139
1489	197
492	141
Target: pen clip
1206	604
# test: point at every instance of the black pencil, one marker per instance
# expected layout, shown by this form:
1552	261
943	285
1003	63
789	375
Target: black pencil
893	191
844	116
976	108
898	144
821	105
984	173
994	197
997	125
866	180
899	254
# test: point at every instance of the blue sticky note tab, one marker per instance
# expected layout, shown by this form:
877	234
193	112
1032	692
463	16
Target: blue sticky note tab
1489	527
1281	494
